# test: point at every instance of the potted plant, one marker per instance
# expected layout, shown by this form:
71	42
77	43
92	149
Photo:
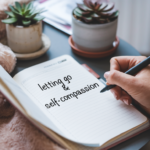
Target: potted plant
24	28
94	25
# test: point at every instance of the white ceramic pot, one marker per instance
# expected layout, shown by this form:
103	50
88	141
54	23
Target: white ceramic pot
24	39
94	37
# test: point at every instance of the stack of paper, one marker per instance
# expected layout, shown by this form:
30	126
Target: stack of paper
59	13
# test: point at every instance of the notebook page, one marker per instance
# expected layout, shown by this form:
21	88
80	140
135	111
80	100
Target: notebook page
71	97
22	102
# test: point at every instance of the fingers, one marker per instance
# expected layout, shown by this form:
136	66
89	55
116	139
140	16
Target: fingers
126	98
125	81
123	63
119	94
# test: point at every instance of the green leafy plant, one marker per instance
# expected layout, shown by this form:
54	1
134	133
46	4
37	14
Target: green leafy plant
95	11
23	15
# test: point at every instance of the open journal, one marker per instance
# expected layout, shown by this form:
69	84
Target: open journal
63	100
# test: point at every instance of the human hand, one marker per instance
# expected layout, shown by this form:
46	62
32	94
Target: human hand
137	87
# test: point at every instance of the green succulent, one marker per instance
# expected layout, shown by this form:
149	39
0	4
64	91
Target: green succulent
95	11
23	15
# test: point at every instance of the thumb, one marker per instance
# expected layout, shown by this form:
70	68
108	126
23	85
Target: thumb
121	79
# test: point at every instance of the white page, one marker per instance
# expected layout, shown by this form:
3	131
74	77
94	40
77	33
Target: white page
24	101
26	106
91	117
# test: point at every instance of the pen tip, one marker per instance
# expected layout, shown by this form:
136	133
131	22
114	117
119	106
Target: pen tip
103	90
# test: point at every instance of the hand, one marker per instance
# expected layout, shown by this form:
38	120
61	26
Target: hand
137	87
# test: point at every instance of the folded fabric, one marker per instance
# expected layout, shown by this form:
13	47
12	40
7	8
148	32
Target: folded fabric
17	133
2	25
7	58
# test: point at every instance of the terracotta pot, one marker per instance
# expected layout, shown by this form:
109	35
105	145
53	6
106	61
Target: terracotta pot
94	37
24	39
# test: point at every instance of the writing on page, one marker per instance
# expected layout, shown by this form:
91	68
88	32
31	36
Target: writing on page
54	102
62	82
51	84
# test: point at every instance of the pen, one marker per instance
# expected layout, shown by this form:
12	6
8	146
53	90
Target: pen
132	71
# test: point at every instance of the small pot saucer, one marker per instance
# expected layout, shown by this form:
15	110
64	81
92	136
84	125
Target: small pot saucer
93	54
42	51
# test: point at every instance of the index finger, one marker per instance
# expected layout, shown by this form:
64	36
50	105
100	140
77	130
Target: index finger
123	63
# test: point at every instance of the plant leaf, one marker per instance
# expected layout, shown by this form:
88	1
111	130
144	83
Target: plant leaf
109	7
109	13
103	6
97	6
80	12
87	3
115	15
30	16
29	6
26	8
87	19
27	12
37	11
83	7
38	18
86	13
104	14
18	6
91	4
32	11
26	22
23	7
95	15
11	14
10	20
14	10
77	12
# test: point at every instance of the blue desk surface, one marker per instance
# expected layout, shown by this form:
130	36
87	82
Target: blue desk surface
60	47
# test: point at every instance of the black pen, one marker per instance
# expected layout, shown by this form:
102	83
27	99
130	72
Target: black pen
132	71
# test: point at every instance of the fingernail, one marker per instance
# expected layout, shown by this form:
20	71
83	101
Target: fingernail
107	83
126	101
106	75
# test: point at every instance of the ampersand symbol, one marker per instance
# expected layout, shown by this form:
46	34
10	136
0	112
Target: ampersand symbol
65	88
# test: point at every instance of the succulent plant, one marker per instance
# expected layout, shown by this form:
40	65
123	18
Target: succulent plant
95	11
23	15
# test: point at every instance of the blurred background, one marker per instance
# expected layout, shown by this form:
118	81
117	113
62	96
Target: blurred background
133	25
